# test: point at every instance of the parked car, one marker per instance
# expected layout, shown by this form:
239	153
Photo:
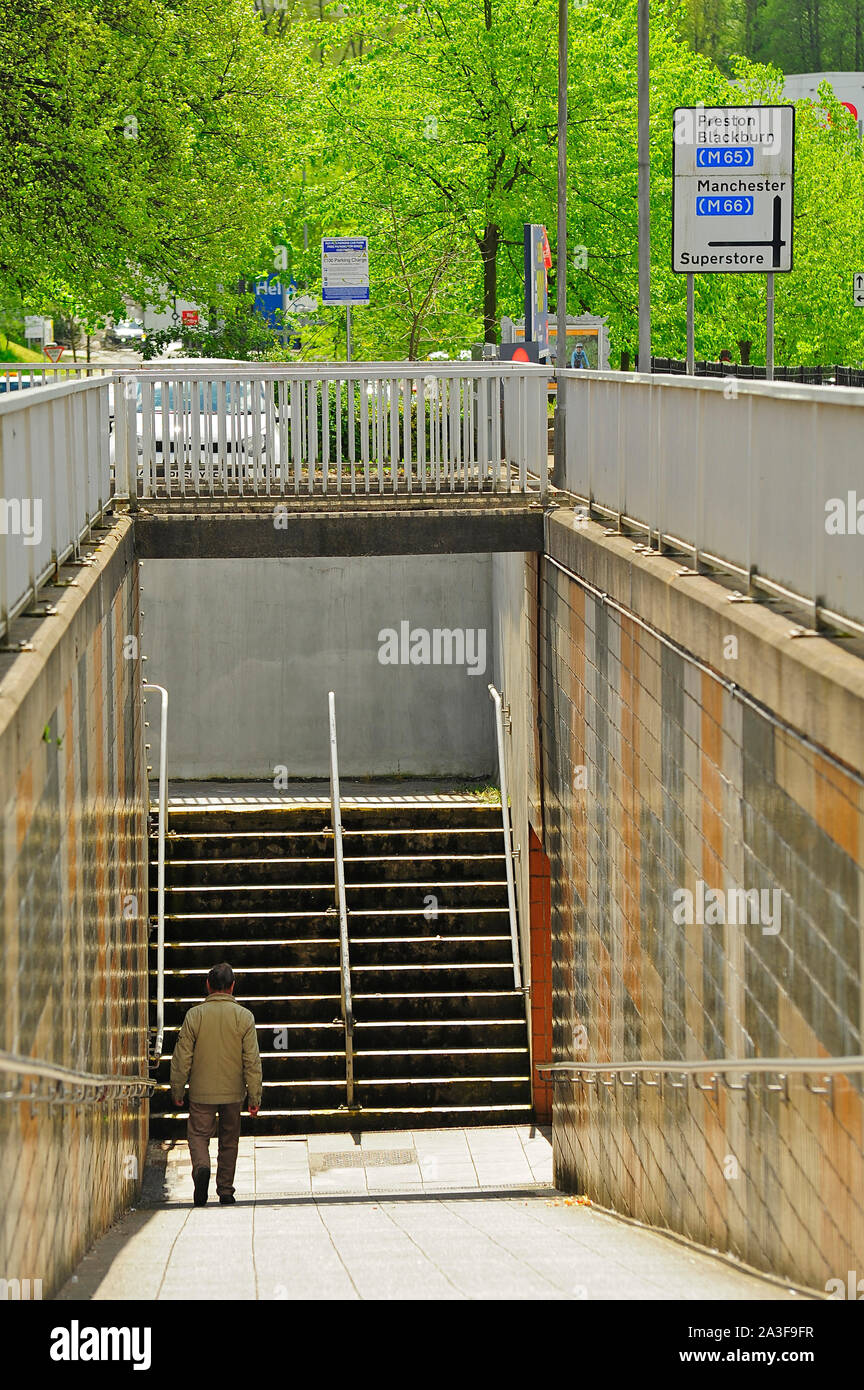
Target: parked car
126	333
234	432
19	381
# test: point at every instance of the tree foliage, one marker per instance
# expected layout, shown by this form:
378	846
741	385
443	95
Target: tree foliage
144	143
795	35
441	139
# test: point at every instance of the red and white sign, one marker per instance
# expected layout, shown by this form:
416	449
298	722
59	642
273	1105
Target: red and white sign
53	351
190	318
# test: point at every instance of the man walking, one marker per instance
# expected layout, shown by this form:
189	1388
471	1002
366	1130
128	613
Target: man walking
217	1053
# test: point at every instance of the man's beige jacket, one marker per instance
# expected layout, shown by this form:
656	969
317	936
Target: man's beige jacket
217	1053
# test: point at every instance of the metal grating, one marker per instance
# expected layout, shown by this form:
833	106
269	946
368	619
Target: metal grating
361	1158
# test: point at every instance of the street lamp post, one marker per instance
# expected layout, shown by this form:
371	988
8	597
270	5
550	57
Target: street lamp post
644	187
561	249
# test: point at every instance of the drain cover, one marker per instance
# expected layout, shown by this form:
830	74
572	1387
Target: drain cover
361	1158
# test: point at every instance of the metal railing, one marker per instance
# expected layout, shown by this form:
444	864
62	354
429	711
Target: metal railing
160	869
756	479
55	483
264	429
341	908
70	1087
508	837
825	1068
25	376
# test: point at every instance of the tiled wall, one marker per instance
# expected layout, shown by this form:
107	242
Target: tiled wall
658	774
73	981
540	976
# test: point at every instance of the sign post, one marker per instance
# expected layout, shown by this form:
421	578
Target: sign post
345	275
734	171
858	289
691	329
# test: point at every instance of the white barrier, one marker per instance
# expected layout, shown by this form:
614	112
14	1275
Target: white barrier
55	482
267	429
762	477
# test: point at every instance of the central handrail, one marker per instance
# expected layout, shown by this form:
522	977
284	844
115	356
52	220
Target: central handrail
342	906
160	871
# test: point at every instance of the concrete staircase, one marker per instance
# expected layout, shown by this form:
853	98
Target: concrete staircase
440	1036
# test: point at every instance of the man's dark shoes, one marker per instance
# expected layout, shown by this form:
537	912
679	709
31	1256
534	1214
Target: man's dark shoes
227	1199
201	1182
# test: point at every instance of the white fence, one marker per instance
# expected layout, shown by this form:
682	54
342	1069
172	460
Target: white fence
55	482
21	376
763	478
222	429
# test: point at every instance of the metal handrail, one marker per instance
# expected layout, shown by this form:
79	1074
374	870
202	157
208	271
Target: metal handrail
342	907
160	871
13	1065
508	843
824	1066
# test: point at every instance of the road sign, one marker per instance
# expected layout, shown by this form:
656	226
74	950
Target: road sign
345	270
190	318
537	262
734	169
53	351
858	289
33	326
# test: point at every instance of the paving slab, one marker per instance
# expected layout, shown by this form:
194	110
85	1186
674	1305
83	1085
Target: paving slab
466	1221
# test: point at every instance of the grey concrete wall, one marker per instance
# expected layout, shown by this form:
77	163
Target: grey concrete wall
248	650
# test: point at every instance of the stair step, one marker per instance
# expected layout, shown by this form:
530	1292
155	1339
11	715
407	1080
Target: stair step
434	1006
392	1093
464	1062
189	956
382	951
362	844
206	927
365	979
417	1034
299	897
318	872
414	815
269	1009
340	1121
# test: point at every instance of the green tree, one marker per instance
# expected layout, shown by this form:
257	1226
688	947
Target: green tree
451	106
144	143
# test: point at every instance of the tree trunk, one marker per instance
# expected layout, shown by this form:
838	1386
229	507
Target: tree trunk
489	252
